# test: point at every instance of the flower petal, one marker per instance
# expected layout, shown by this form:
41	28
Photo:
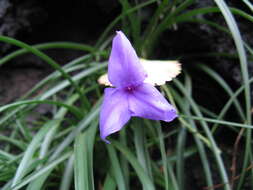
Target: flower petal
146	101
114	112
124	67
103	79
159	72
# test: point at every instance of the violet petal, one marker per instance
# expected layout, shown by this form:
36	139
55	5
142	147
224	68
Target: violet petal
124	67
114	112
147	102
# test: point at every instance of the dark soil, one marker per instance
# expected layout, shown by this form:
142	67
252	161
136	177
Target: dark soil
43	21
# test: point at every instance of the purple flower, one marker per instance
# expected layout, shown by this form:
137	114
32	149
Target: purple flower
131	97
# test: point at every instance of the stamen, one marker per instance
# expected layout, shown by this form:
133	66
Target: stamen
129	89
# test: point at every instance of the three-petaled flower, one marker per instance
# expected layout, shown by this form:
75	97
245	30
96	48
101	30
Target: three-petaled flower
131	97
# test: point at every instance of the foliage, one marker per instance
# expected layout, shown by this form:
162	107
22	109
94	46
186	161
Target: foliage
64	150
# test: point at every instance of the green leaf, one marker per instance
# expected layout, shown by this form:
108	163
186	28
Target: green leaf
116	168
143	176
83	166
28	155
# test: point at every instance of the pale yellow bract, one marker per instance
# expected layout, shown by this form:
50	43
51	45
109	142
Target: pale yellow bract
159	72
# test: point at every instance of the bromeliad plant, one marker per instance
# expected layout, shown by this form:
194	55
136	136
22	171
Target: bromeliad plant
131	97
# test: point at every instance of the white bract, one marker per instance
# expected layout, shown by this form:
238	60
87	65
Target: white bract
159	72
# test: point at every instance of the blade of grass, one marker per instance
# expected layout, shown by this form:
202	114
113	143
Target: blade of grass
123	161
117	19
109	183
225	86
17	143
68	174
164	156
6	156
69	67
66	83
46	58
248	4
167	21
144	178
185	123
24	130
214	147
44	170
154	21
45	46
56	89
116	168
172	176
81	164
185	108
22	169
134	21
245	76
229	123
72	109
180	165
207	10
53	130
83	124
140	142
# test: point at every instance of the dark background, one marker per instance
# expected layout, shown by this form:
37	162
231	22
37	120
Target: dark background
83	21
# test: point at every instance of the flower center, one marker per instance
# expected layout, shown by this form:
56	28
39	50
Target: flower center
129	89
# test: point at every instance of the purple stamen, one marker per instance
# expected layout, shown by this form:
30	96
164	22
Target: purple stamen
129	89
